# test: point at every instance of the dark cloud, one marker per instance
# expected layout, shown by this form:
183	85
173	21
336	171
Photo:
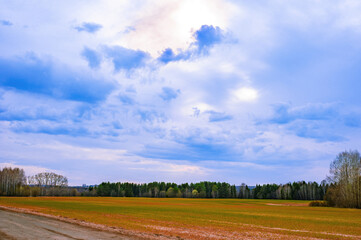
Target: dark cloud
26	115
34	75
322	122
169	93
318	132
151	116
192	147
352	120
218	116
205	37
283	113
88	27
169	56
6	23
125	99
125	58
51	129
93	58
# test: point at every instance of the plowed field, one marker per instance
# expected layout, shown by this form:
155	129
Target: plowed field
200	218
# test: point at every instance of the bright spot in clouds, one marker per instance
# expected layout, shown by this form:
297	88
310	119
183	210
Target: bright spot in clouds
246	94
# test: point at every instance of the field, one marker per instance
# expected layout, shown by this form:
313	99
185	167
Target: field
202	218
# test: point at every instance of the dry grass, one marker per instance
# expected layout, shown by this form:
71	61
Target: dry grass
204	218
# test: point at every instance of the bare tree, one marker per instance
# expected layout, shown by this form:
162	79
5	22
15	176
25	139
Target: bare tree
49	183
345	177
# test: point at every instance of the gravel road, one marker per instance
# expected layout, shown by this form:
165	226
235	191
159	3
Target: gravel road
14	226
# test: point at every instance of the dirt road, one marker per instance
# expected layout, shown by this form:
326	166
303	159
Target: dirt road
15	226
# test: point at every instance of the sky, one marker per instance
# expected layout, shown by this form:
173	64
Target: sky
179	91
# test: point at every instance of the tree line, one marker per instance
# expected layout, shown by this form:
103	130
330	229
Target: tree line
342	188
293	191
14	183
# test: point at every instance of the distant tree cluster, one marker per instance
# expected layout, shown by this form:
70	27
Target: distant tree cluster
49	184
293	191
13	182
345	180
162	189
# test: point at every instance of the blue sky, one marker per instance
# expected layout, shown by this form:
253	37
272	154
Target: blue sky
181	91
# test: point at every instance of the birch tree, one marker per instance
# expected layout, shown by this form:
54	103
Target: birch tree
345	177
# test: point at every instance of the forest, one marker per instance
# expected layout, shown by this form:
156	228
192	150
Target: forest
342	188
292	191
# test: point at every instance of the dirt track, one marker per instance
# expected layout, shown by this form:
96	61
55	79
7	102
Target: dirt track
15	226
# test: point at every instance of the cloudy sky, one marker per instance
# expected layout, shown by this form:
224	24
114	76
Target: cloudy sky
181	91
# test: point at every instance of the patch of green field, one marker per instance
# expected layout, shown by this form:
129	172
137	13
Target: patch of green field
188	217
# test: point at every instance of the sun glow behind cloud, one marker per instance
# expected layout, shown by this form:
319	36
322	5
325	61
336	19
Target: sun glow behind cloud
246	94
171	24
